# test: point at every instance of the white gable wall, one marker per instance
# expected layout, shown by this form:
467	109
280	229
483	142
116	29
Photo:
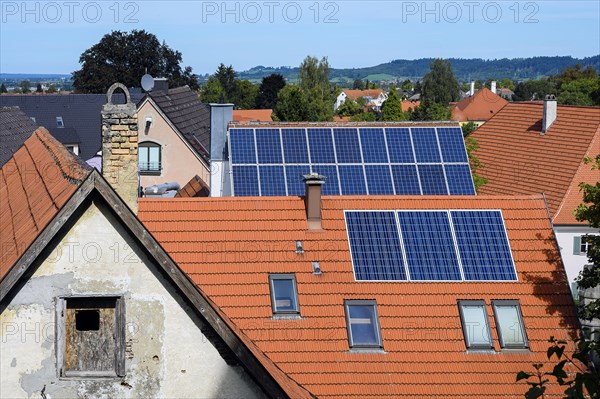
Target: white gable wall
167	355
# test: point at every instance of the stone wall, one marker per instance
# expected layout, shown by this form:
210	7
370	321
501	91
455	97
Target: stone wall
120	147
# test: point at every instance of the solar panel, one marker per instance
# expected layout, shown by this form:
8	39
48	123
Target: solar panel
434	245
362	160
433	181
430	252
243	150
294	179
375	246
272	180
379	179
347	146
320	142
483	245
245	180
406	180
331	186
295	148
425	144
452	144
352	179
459	179
373	145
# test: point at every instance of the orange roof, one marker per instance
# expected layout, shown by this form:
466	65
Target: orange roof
409	104
356	94
196	187
35	183
479	107
252	115
228	247
519	160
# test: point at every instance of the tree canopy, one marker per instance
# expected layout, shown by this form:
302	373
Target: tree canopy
125	57
439	84
268	90
391	109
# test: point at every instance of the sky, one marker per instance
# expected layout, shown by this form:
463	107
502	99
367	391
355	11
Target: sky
49	36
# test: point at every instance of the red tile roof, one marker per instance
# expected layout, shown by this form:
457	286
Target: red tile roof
196	187
406	104
479	107
519	160
356	94
252	115
34	184
228	247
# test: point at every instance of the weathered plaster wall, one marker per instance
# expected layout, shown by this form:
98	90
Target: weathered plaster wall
167	355
179	164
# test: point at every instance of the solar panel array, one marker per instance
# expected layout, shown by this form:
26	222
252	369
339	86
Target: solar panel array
380	160
430	246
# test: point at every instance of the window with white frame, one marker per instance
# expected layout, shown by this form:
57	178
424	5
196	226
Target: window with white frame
475	323
509	323
363	324
284	294
149	158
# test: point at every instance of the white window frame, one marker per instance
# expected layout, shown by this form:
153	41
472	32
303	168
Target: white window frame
146	170
59	122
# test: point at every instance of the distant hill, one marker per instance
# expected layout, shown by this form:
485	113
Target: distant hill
464	69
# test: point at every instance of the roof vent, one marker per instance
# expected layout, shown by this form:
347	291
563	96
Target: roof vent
316	268
549	113
312	200
299	249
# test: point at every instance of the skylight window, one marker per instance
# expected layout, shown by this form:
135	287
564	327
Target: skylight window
59	122
284	296
475	324
363	324
509	323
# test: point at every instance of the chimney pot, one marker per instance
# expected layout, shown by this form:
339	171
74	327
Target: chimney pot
493	86
472	91
312	200
550	113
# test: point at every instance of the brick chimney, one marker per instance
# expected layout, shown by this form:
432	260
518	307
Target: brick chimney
120	147
312	200
549	113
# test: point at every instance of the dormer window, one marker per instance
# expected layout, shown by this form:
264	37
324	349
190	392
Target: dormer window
59	122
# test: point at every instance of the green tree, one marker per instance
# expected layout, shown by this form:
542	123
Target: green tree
3	89
474	162
368	116
268	91
291	105
25	87
349	108
244	96
212	91
580	92
51	89
439	84
226	76
534	90
506	83
391	108
585	382
125	57
38	88
468	128
358	84
407	85
431	112
17	90
315	86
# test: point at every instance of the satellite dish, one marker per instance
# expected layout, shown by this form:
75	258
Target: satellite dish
147	82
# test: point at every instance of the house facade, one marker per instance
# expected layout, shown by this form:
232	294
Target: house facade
374	97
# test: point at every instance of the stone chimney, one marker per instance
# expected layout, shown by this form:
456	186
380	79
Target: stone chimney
549	113
493	86
312	200
472	91
120	147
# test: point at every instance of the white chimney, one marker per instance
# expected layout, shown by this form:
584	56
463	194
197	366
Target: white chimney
493	86
549	113
472	91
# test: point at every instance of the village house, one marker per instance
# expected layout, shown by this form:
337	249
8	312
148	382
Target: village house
297	295
374	98
540	148
478	107
91	305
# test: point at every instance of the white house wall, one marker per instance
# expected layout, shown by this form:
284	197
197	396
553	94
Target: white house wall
565	236
167	354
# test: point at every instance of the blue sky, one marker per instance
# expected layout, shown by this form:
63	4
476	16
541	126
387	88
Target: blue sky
48	37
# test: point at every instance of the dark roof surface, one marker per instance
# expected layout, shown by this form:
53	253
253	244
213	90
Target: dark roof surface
15	128
80	112
188	114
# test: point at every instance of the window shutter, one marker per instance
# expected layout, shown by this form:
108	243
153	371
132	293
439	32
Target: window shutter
577	245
